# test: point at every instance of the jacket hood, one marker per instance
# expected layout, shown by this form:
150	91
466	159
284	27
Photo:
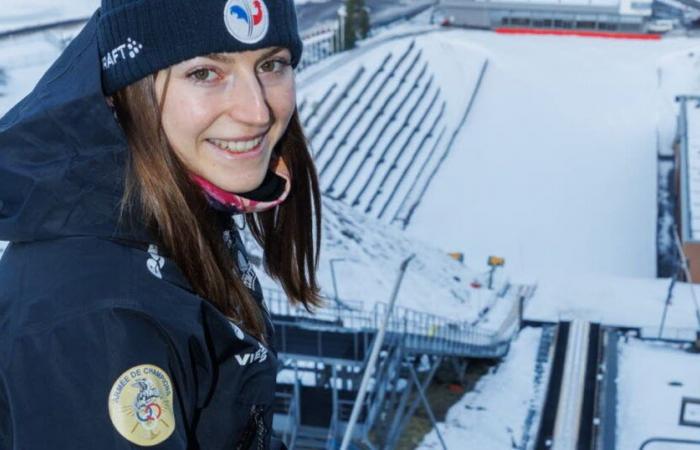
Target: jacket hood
63	154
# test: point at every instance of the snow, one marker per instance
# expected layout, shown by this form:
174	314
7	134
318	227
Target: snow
632	302
555	169
677	75
367	256
24	60
367	250
492	415
384	134
17	14
552	194
648	404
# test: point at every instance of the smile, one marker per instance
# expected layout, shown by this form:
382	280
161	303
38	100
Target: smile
237	146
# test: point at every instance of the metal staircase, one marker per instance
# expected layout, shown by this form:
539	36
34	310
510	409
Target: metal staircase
324	355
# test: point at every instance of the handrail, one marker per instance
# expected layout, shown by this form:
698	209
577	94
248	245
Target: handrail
670	334
417	329
319	44
668	441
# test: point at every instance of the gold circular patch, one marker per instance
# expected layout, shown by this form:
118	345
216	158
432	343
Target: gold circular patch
141	405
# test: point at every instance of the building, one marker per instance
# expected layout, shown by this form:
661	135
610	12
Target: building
687	181
589	15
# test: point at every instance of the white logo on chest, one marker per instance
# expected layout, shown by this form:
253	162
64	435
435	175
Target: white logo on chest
250	358
155	262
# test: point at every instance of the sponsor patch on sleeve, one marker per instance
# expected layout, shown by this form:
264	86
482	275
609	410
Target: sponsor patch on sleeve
141	405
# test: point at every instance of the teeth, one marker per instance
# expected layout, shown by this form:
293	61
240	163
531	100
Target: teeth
236	146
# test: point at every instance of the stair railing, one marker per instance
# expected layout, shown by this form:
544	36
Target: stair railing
667	440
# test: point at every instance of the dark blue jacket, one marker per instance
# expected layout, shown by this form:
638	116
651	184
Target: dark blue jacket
103	344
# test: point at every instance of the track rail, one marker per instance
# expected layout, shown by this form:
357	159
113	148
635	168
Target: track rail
568	416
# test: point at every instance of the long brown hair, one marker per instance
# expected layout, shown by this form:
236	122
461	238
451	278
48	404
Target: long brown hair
177	212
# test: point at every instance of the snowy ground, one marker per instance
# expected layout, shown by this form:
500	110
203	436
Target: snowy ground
634	302
492	416
651	381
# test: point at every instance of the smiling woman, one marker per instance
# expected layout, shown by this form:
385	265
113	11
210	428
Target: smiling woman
224	113
120	177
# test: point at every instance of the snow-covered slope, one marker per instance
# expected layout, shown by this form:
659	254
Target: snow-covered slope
366	257
555	168
381	118
493	415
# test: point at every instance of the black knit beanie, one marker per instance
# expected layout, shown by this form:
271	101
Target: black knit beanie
139	37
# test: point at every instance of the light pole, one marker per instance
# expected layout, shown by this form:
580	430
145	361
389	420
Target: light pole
336	299
342	16
335	283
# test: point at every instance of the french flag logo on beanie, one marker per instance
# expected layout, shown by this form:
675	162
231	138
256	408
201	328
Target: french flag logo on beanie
247	20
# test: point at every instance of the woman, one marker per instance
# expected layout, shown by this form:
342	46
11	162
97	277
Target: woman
129	316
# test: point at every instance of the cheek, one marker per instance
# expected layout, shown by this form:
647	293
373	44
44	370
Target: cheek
184	120
282	102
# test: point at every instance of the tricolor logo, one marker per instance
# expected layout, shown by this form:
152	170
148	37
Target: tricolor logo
247	20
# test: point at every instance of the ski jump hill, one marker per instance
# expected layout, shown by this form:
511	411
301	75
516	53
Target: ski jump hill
381	121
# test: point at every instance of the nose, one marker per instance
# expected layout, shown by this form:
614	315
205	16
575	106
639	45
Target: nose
249	103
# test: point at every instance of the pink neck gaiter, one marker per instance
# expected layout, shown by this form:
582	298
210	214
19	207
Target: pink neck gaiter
236	203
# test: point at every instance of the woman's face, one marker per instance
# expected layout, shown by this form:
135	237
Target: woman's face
224	113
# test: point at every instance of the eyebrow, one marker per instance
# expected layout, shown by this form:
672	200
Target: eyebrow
228	59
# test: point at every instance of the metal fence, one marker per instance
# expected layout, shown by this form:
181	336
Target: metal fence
417	330
319	44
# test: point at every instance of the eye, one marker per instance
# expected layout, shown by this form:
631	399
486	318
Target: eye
274	65
203	75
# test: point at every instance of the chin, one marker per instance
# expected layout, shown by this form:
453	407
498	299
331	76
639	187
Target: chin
237	186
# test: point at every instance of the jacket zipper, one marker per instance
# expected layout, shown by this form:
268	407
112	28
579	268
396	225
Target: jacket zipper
255	430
